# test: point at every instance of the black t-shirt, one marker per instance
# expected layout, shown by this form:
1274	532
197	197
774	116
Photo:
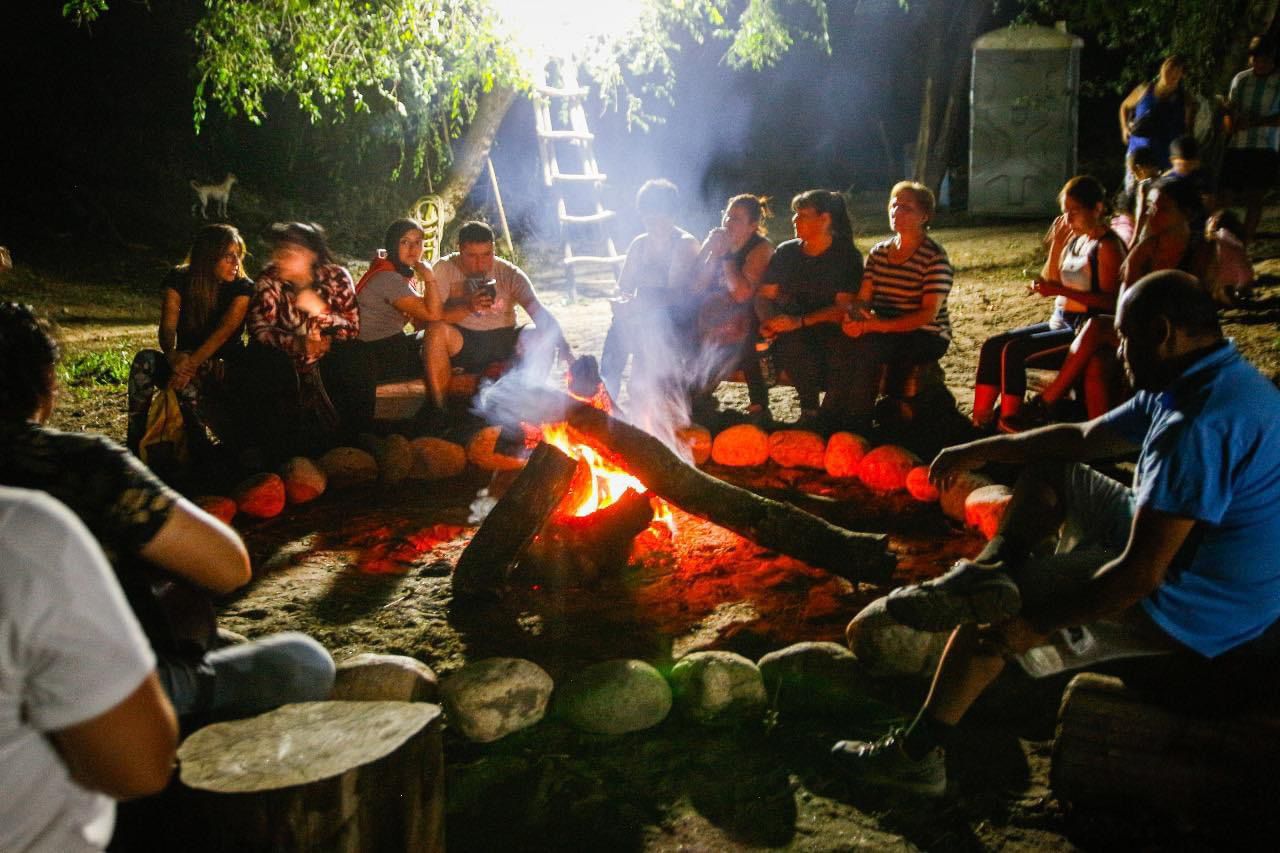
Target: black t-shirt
179	281
809	282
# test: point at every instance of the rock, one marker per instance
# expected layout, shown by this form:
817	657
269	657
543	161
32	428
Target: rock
887	648
615	696
348	466
223	509
303	480
954	493
395	678
261	496
985	506
395	459
918	484
822	678
741	446
492	698
481	450
717	686
798	448
844	454
436	459
697	440
885	469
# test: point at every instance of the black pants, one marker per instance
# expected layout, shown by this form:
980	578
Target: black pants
855	396
1003	359
816	358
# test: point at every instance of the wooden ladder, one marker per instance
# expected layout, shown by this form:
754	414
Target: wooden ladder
561	121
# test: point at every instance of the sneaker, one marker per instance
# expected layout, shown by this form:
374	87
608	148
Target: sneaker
884	762
970	592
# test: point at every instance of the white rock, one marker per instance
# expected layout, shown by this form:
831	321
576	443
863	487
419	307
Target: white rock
614	697
954	494
494	697
303	480
714	686
816	677
348	466
984	507
887	648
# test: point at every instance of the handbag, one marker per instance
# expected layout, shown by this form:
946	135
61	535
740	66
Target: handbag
164	443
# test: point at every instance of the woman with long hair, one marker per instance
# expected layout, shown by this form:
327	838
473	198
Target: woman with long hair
202	319
1081	274
901	312
805	293
307	378
729	270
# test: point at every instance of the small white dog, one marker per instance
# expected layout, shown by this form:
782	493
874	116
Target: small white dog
217	193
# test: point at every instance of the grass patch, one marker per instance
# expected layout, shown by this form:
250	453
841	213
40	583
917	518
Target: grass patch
101	367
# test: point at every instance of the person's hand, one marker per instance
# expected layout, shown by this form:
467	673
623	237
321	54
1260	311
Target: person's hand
717	242
779	324
481	301
177	358
1010	638
953	461
311	303
1043	287
183	372
423	273
854	327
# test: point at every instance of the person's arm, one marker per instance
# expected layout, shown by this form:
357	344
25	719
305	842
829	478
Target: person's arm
743	282
1127	107
128	750
415	307
547	324
264	315
342	320
231	321
1075	442
194	545
170	308
710	259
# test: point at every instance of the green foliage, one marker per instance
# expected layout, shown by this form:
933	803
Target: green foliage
1143	33
83	12
105	367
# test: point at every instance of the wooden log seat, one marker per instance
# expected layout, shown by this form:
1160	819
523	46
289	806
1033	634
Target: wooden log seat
1117	748
335	776
401	399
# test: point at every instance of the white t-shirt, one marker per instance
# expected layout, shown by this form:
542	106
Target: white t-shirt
70	649
511	284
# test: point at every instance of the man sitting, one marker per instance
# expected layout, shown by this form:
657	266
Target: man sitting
168	554
83	720
1185	559
473	313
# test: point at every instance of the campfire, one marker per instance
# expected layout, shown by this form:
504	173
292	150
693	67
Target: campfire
594	482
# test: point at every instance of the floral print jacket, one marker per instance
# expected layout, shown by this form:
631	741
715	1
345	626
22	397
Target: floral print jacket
276	321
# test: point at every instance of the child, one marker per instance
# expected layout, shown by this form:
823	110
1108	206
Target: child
1230	275
1142	167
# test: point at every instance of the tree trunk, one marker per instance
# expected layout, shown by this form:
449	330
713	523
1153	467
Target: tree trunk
949	34
472	150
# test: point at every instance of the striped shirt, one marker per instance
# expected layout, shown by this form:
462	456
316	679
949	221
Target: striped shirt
898	289
1256	97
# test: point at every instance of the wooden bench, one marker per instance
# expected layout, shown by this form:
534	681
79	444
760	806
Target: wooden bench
400	400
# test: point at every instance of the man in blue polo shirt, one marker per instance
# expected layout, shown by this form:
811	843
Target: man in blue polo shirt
1185	559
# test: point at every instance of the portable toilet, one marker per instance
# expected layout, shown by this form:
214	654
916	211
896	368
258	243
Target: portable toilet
1023	104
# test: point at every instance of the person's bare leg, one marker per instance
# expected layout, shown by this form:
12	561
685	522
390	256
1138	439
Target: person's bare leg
1094	335
965	670
438	345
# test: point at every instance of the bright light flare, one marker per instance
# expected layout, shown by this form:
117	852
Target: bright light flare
555	28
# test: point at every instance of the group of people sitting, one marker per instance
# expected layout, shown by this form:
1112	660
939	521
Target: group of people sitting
318	343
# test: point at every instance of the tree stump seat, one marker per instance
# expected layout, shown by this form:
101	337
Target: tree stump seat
336	776
1117	747
400	399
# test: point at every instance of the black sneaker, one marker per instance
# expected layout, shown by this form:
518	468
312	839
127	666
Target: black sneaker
884	762
970	592
1033	413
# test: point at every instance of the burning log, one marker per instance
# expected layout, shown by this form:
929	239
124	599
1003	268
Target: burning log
510	527
860	557
579	549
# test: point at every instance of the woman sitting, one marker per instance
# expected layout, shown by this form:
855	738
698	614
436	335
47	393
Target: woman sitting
730	267
901	311
653	298
1167	242
1081	273
302	357
809	285
389	296
201	326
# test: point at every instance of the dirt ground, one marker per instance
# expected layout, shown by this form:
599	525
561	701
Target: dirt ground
369	571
